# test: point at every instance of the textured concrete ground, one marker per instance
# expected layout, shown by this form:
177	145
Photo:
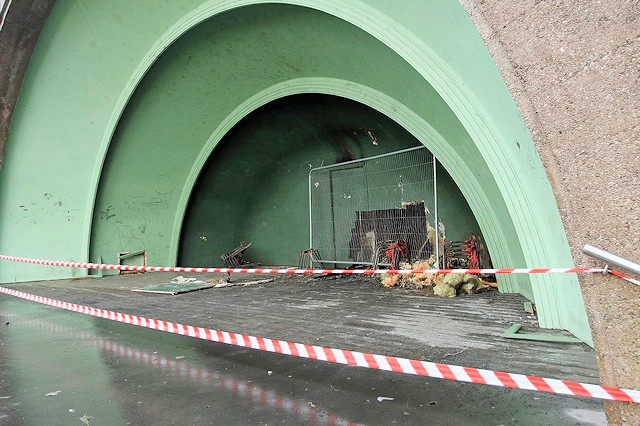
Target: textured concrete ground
46	350
573	68
347	312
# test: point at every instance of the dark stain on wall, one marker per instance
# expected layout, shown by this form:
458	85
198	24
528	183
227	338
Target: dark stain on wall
23	23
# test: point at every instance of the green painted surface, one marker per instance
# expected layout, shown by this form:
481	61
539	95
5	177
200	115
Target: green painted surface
191	88
147	92
512	333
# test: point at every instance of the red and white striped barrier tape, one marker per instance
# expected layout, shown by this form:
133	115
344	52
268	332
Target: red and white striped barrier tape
623	276
293	271
353	358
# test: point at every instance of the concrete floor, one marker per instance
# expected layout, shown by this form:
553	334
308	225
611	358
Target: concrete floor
112	373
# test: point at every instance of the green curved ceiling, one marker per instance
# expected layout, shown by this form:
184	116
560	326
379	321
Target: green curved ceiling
124	103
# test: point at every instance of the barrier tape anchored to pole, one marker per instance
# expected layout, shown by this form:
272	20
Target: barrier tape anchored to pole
353	358
293	271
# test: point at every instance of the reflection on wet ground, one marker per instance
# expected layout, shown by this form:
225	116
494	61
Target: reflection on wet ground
65	368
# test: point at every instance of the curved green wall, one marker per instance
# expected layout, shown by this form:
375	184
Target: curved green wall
254	187
124	102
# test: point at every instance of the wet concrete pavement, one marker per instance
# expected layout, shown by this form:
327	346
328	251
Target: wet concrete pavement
97	371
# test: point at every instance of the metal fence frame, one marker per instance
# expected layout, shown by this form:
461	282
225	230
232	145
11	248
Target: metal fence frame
342	165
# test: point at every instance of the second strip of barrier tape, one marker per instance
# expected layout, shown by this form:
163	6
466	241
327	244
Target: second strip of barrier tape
294	271
353	358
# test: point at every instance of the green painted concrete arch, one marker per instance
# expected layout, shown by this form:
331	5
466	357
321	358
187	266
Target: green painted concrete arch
376	20
351	90
465	115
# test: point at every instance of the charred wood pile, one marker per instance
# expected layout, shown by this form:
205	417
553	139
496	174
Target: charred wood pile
375	230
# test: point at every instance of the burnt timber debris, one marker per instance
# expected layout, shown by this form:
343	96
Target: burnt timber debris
401	238
375	231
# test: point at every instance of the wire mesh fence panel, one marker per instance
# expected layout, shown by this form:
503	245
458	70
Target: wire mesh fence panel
358	208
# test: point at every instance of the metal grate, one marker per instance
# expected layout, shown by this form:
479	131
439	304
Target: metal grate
357	206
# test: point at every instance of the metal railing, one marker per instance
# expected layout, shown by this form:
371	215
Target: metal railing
614	260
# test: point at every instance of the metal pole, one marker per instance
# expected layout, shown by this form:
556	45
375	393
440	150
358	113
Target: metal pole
611	259
435	213
333	215
362	160
310	214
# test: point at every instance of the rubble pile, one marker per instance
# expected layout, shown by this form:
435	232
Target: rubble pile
415	281
449	285
452	285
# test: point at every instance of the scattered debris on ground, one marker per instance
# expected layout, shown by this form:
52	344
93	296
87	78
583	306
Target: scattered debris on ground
415	281
177	285
240	283
449	285
86	419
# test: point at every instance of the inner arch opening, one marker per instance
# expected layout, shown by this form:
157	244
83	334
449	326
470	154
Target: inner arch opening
254	185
